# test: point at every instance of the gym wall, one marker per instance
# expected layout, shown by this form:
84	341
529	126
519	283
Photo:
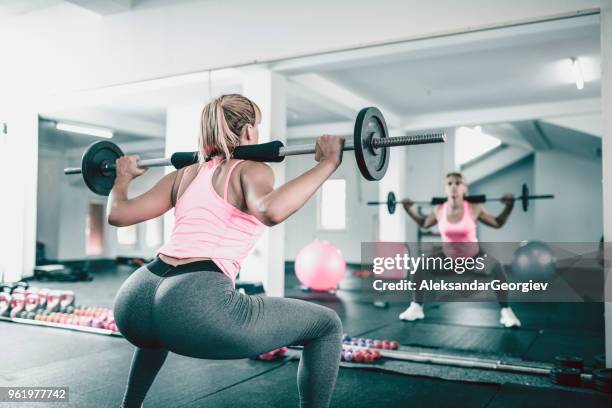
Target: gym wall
520	225
577	213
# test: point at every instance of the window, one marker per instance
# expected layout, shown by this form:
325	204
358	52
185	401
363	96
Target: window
332	205
153	232
94	237
127	235
471	143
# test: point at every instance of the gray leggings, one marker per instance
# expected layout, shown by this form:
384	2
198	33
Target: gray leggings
193	310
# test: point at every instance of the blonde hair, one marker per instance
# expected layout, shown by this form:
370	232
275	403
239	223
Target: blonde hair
221	124
456	174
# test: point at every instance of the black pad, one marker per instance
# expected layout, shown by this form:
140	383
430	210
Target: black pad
264	152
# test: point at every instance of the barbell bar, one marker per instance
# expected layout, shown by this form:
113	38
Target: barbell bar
370	142
524	198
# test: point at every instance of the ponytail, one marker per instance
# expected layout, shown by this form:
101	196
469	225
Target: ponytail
222	122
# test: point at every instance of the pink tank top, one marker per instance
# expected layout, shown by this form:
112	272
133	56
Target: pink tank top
458	233
207	226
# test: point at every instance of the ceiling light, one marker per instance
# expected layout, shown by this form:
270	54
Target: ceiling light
85	130
577	73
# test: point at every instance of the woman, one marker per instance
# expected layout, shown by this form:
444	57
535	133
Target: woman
184	301
456	220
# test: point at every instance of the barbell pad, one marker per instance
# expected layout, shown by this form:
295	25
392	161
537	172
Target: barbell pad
438	200
264	152
476	199
183	159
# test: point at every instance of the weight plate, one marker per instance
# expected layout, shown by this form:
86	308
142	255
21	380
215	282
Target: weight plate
602	379
95	156
566	376
570	362
391	202
372	162
599	361
525	197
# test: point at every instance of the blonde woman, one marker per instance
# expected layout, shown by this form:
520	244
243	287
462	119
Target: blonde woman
456	220
184	301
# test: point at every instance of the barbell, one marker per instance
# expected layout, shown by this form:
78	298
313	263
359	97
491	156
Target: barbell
370	143
524	198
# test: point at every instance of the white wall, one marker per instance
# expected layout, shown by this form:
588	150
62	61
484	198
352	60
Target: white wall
520	225
577	212
50	166
301	228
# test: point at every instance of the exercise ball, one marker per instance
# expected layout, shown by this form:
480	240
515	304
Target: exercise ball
320	266
533	260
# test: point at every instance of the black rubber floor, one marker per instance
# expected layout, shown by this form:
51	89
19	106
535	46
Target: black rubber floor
95	367
513	395
355	388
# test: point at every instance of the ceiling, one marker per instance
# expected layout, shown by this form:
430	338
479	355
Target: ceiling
459	76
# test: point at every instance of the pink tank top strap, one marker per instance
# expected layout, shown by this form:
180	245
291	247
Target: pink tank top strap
467	209
227	178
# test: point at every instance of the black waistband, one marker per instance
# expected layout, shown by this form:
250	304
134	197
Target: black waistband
160	268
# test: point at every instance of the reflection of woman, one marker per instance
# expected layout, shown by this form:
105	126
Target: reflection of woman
456	220
184	301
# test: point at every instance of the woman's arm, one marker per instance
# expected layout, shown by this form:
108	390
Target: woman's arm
273	206
502	218
423	221
122	211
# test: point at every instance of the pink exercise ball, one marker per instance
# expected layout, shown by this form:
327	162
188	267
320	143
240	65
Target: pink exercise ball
320	266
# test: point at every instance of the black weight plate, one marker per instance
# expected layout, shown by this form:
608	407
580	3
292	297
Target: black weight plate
602	379
569	377
95	156
524	197
570	362
391	202
599	361
370	124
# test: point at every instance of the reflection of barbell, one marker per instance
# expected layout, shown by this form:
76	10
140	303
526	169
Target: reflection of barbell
524	198
371	143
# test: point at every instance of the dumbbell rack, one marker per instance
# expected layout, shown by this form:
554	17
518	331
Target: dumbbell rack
86	329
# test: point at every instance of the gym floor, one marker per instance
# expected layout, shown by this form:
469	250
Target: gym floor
95	367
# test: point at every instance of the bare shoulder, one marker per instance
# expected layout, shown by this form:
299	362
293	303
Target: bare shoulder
436	211
476	209
253	171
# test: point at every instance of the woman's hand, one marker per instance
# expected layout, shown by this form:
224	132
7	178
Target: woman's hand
127	169
407	203
329	148
508	200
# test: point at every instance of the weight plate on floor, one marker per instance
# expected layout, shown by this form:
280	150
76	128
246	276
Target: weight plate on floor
570	362
566	376
372	162
98	154
602	380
